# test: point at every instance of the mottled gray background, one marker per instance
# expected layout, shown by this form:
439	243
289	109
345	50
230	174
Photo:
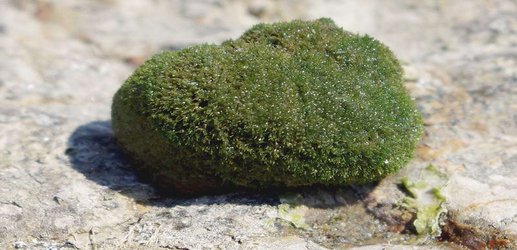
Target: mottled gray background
64	184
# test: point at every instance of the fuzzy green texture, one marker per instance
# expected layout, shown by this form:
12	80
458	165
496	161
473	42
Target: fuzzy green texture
286	104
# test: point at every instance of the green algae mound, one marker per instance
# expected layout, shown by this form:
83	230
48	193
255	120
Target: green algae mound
286	104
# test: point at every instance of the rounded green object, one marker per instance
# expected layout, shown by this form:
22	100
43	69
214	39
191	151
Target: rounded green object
286	104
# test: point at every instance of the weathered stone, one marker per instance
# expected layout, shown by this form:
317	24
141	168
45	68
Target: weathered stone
64	184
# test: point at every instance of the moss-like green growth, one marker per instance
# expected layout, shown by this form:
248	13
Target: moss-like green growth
286	104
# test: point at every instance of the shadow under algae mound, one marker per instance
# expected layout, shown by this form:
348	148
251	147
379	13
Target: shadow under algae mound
93	152
285	105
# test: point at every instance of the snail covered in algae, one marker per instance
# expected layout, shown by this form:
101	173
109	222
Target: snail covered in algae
285	105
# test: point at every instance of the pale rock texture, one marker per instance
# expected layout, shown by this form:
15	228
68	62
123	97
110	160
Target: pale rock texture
65	185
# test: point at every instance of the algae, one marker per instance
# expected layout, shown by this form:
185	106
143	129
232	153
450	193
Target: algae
287	104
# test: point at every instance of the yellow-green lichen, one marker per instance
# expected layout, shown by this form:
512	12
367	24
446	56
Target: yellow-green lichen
293	214
426	200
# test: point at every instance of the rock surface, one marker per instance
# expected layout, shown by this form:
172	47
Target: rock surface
64	183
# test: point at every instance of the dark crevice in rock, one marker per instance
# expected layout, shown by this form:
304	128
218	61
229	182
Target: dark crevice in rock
471	235
476	237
